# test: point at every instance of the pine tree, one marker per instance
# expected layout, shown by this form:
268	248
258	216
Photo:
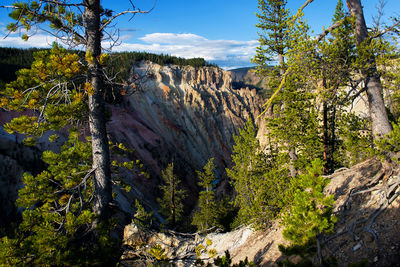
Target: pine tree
207	215
172	200
295	131
57	217
143	219
259	184
53	88
379	118
78	23
273	23
310	214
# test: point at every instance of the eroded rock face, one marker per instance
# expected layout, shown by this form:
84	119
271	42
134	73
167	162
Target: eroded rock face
185	115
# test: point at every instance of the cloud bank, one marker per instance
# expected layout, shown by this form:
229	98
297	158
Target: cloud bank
226	53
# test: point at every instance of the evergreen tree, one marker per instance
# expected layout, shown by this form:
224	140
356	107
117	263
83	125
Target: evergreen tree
56	227
273	38
367	59
259	184
207	215
143	218
295	131
78	23
172	200
53	88
336	52
310	214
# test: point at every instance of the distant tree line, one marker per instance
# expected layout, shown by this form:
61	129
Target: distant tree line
161	59
13	59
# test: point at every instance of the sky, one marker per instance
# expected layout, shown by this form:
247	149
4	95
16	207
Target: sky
220	31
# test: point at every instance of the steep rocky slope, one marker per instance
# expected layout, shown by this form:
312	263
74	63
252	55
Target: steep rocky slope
368	228
15	159
247	77
185	115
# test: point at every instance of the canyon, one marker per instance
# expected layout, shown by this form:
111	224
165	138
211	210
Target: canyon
188	115
177	114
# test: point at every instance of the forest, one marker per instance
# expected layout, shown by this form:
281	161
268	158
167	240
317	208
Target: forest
68	209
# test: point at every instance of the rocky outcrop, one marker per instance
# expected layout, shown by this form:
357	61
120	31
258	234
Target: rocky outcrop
181	114
243	77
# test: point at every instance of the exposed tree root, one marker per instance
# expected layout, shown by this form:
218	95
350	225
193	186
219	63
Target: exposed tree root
384	188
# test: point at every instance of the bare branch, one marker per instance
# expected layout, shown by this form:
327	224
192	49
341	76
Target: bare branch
329	29
134	12
301	10
388	29
377	19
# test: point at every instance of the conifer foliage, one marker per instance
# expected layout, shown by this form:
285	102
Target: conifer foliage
259	183
273	38
207	214
310	213
79	23
56	227
172	200
53	88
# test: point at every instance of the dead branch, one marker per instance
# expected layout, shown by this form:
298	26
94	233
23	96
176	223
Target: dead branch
376	178
388	29
329	29
133	12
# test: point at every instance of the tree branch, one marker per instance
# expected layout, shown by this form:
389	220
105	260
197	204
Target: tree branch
134	12
329	29
389	29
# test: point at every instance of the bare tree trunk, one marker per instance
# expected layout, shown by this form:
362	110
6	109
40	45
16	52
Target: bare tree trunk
97	122
379	118
333	136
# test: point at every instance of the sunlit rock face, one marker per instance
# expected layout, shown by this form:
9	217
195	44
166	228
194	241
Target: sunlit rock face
185	115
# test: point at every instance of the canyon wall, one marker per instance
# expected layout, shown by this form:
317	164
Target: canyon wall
183	115
174	114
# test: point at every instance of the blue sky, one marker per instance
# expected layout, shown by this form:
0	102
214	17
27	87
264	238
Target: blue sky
221	31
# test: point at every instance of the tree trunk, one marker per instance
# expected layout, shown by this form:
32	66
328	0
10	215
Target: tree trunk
173	203
97	122
321	261
333	136
325	136
379	118
291	152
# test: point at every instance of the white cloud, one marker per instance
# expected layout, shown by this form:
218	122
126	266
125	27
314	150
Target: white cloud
226	53
39	40
173	38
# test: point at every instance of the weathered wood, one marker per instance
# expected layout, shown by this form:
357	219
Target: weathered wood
379	117
97	122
